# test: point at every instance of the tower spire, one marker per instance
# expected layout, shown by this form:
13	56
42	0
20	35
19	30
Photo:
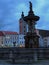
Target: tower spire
22	15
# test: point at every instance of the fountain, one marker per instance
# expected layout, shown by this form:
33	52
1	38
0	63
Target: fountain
31	38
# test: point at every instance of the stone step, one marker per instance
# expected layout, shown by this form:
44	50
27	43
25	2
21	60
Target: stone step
28	61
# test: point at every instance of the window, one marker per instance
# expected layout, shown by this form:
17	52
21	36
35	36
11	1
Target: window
24	30
20	22
24	26
45	42
6	41
20	37
17	41
22	41
45	39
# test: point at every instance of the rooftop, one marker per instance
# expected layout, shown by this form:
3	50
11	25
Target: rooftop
7	32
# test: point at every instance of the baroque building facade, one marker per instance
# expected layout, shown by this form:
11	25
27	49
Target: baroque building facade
8	38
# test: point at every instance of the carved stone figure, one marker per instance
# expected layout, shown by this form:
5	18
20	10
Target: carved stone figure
30	6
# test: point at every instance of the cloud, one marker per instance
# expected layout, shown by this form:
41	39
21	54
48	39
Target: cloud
22	7
10	13
39	6
7	14
42	10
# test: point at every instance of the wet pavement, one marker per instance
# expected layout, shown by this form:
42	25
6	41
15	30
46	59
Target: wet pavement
41	62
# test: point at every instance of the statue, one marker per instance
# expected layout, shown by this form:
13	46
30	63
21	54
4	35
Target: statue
30	6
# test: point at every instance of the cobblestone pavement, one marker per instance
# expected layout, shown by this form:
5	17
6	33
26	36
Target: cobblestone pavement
41	62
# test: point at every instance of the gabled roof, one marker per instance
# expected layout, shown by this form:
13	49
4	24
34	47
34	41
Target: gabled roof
44	33
7	33
1	33
10	33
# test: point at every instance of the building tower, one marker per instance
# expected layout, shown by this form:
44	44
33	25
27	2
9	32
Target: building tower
22	25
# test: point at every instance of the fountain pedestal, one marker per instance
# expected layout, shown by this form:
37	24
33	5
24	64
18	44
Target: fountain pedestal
31	40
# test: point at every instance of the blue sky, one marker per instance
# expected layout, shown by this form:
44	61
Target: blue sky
10	13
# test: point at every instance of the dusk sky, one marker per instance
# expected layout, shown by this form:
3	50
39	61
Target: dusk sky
10	13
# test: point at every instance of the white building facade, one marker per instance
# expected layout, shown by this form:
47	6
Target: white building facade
21	40
41	41
1	39
9	38
46	41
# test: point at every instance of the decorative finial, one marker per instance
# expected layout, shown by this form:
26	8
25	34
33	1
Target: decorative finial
22	14
30	5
